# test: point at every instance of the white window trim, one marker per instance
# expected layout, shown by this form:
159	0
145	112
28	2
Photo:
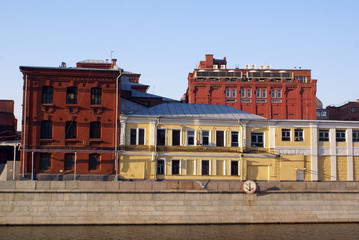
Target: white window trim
234	93
264	139
258	93
302	135
264	93
165	165
239	132
279	93
243	93
290	134
138	136
239	167
224	136
180	136
228	93
165	135
250	93
210	167
195	137
209	137
180	166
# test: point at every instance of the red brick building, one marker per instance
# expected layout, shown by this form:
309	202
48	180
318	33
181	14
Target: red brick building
69	118
267	92
348	111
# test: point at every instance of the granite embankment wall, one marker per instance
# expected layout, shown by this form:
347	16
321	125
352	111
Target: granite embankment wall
172	202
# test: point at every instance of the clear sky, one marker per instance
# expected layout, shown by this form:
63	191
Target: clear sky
165	40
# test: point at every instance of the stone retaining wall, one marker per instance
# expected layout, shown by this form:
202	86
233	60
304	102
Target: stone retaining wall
33	202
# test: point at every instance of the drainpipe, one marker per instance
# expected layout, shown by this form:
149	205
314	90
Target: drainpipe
75	166
24	135
155	153
116	126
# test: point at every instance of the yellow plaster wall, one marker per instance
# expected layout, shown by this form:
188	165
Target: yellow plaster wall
342	168
324	168
289	164
308	168
265	130
356	168
135	167
306	137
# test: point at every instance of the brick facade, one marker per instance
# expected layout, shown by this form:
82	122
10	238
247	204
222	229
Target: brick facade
270	93
70	114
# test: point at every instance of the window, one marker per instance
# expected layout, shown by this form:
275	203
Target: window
234	139
257	140
176	137
355	136
95	130
220	138
285	134
264	93
249	93
243	93
69	161
46	130
47	94
258	93
70	129
228	93
160	167
272	93
205	138
234	168
300	78
137	136
71	95
205	167
190	137
161	137
340	135
234	93
96	96
279	93
298	135
353	110
94	162
175	168
324	135
45	161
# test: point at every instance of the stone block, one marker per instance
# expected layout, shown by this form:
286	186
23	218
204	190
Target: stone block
143	185
311	186
7	185
211	185
43	185
71	185
186	185
57	185
127	186
99	185
352	186
294	186
323	186
236	186
159	185
25	185
223	186
173	185
85	185
112	186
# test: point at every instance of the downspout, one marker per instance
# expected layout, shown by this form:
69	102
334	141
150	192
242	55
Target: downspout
116	128
241	155
24	141
155	153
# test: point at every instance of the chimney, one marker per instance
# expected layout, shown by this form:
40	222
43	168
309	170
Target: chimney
113	63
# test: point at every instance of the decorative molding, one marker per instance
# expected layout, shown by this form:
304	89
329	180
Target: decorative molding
293	151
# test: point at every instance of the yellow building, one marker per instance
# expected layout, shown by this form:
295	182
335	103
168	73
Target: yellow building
198	141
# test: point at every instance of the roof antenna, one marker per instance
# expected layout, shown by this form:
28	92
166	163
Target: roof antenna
111	54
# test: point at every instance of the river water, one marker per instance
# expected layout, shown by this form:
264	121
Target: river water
207	232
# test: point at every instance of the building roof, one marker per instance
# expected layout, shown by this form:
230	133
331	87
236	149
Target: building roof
202	111
127	85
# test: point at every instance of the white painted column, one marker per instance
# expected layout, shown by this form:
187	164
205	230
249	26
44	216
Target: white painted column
314	152
350	154
152	133
333	153
244	136
271	137
123	131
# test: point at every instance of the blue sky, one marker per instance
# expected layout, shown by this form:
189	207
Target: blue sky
165	40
